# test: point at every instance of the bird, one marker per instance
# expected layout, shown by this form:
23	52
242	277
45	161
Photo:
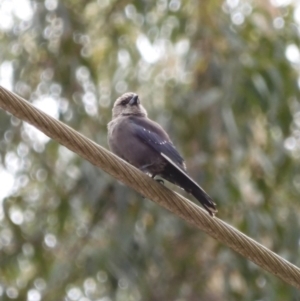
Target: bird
144	144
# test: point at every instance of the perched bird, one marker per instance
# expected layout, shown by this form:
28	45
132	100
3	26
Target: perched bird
144	144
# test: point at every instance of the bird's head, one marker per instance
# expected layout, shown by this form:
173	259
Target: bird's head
128	104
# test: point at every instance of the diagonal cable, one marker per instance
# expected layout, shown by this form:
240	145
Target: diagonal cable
149	188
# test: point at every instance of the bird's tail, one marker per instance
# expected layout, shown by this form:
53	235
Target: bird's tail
178	176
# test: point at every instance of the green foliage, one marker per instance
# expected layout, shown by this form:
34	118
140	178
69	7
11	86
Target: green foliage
220	79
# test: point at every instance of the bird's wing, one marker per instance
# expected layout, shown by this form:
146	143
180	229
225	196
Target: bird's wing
153	135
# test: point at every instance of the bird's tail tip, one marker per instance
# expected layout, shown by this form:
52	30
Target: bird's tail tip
212	210
209	205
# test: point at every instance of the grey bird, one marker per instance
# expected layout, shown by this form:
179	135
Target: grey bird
144	144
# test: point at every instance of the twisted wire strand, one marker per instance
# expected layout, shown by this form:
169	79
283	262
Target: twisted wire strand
149	188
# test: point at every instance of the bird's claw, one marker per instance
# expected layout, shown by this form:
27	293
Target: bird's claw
160	181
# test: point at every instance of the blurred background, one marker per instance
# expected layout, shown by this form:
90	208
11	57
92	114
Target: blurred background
222	77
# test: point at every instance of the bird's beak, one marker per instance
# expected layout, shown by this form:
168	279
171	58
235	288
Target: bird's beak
134	100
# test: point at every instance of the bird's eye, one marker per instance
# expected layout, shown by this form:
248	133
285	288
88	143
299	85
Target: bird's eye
123	103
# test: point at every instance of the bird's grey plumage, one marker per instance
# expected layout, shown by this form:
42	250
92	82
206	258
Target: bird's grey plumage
144	144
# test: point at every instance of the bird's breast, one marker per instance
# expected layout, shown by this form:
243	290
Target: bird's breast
124	143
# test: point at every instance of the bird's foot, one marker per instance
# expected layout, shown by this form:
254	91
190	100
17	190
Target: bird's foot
160	181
